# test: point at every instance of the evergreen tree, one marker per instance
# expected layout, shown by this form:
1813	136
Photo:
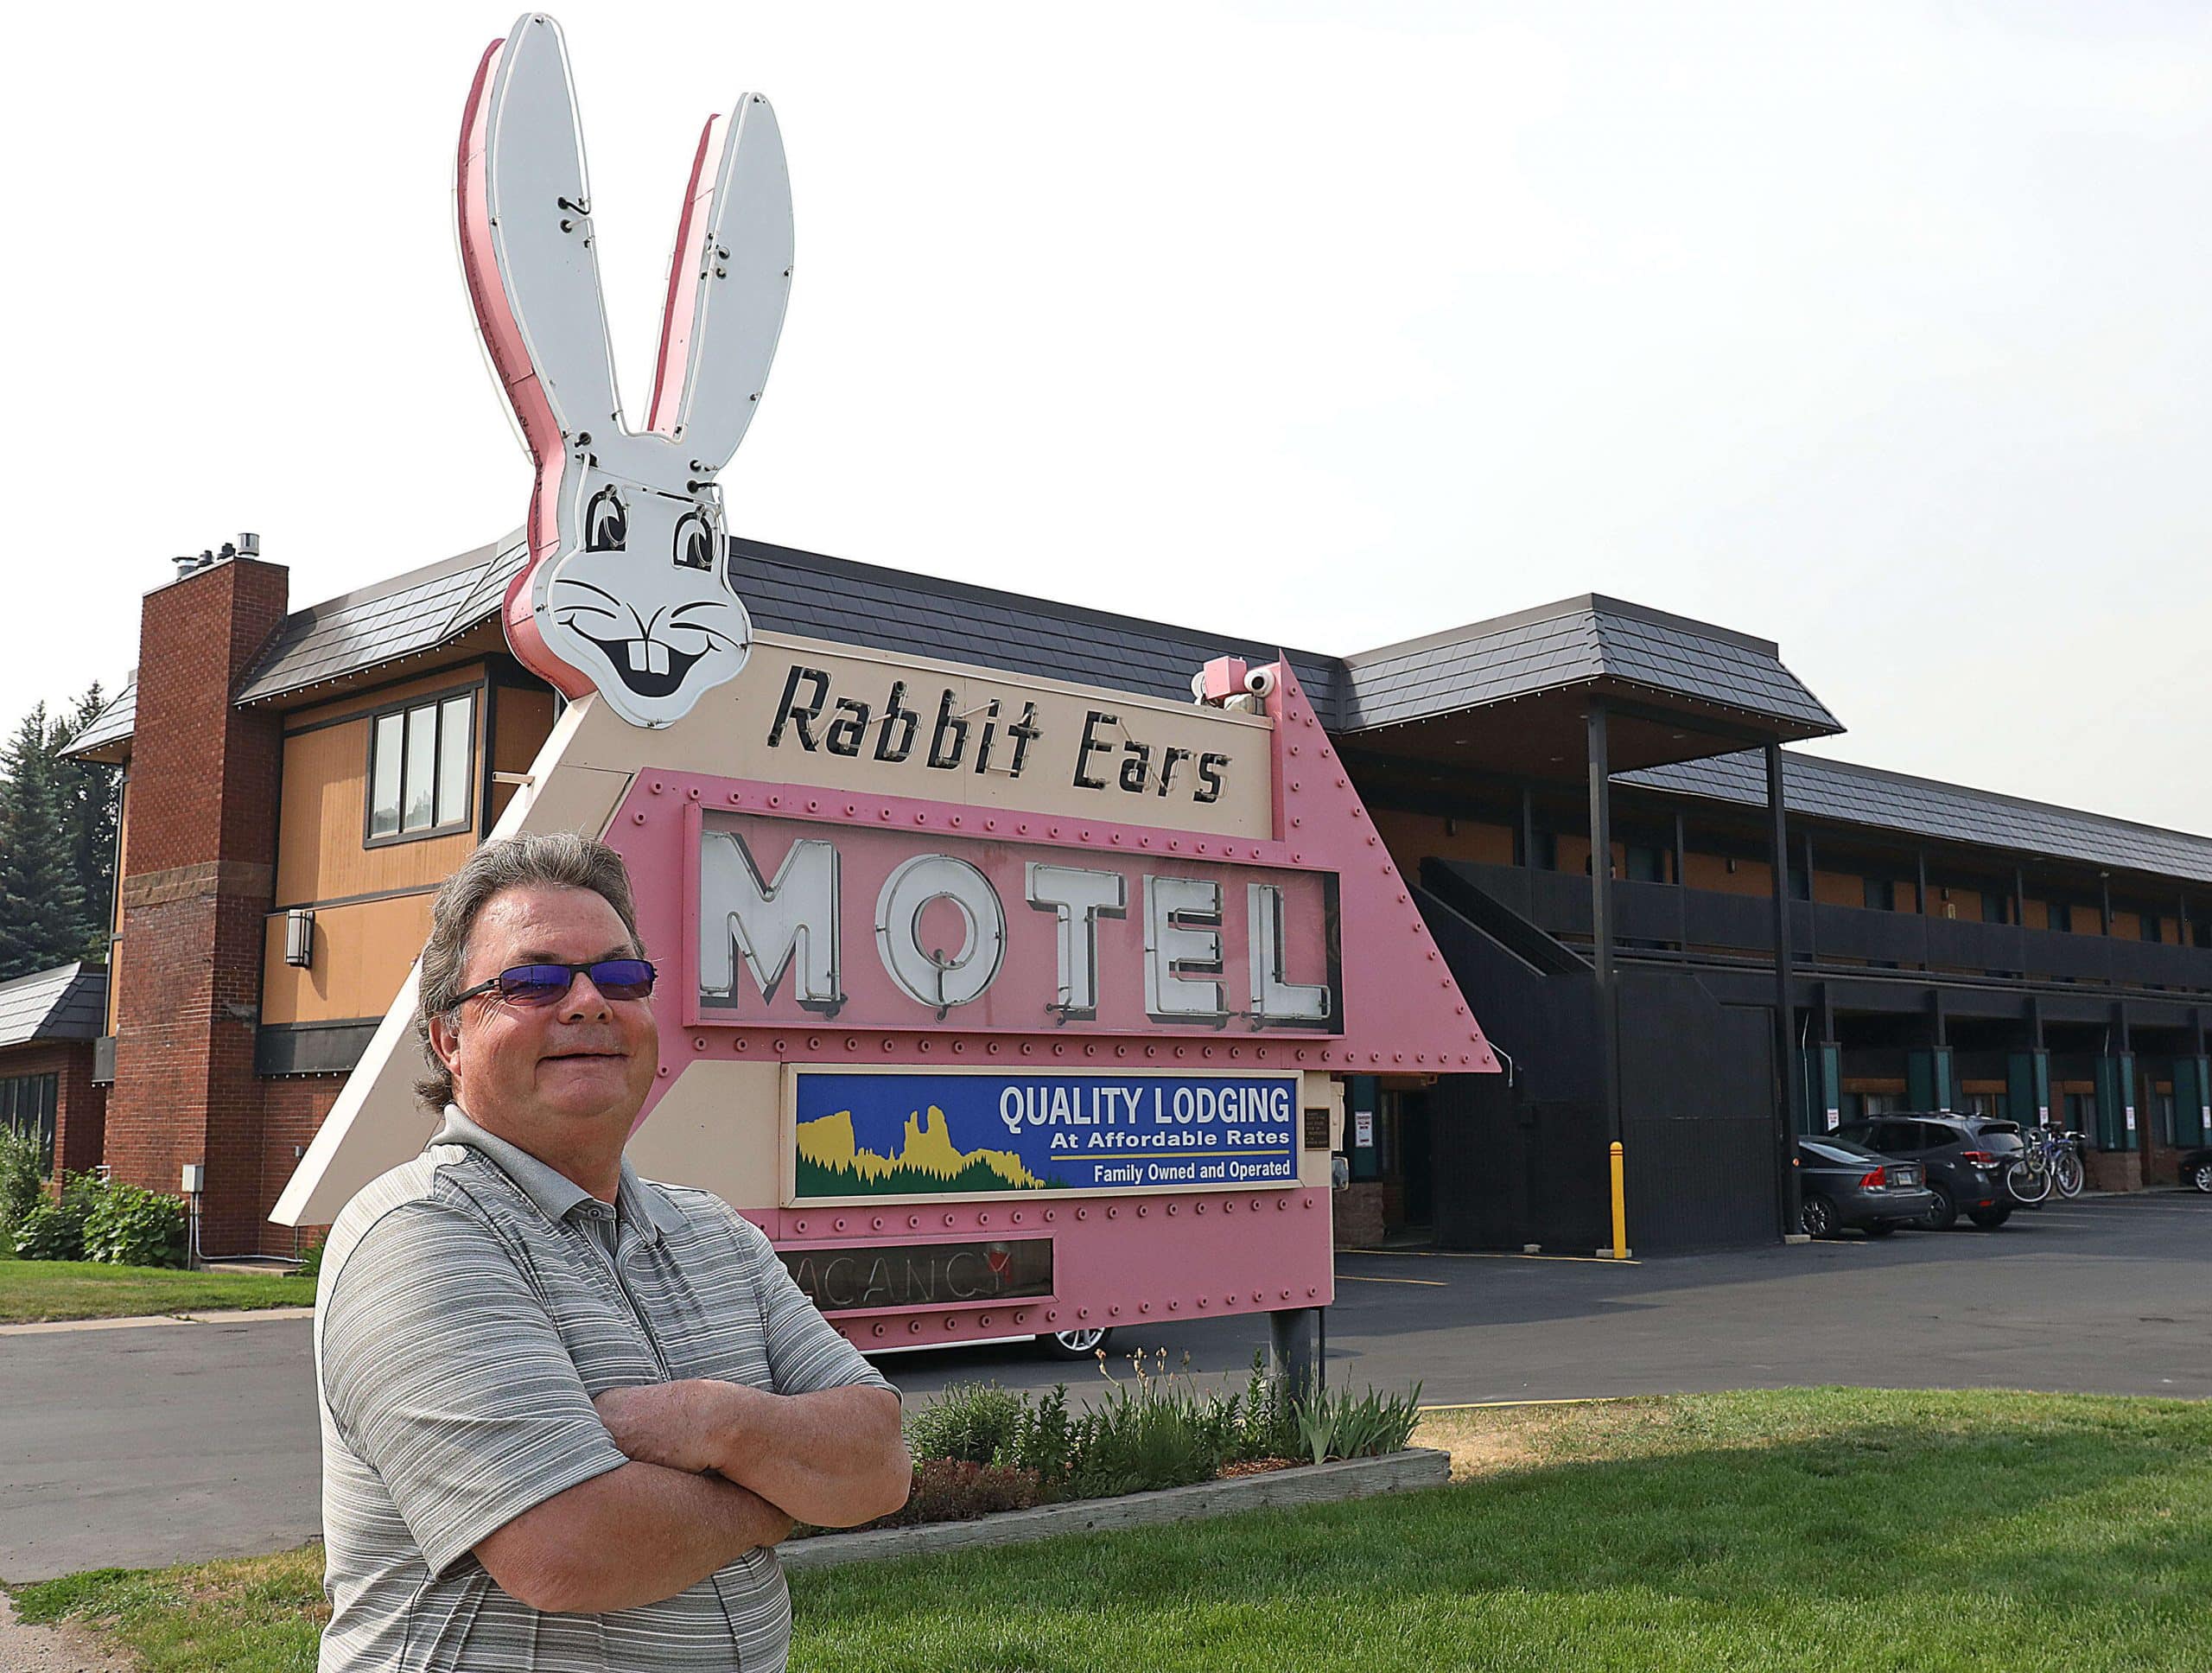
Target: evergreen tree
90	790
41	900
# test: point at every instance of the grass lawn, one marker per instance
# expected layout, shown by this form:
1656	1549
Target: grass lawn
33	1290
1831	1529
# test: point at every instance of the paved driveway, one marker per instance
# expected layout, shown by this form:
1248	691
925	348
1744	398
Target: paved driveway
152	1445
2103	1295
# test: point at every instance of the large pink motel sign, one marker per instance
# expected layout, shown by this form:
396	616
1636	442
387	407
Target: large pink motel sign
1003	1004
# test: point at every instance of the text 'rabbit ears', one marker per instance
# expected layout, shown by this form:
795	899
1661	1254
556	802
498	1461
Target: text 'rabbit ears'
525	203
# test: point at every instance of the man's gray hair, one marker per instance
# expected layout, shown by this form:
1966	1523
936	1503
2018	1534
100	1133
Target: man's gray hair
556	859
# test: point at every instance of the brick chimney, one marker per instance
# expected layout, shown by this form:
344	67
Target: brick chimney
197	878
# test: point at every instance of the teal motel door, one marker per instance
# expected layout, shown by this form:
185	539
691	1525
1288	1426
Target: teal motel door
2192	1101
2117	1116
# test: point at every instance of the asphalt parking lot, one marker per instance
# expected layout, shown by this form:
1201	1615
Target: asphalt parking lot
151	1444
2109	1296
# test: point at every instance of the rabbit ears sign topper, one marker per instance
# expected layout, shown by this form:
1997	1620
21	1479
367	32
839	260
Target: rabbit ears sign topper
627	589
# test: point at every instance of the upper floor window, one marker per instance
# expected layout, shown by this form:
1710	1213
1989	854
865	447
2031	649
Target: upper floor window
419	762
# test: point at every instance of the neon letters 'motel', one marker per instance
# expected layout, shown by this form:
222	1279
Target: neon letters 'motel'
792	925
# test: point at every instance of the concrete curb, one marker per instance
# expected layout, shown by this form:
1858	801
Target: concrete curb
139	1320
1308	1484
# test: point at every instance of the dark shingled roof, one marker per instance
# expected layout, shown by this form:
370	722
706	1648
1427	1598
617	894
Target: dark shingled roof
1822	789
1577	640
1573	642
407	616
831	598
112	725
67	1003
787	591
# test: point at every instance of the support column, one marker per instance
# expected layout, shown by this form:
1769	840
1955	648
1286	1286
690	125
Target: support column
1827	1114
2027	1087
1681	883
1601	917
2115	1162
2037	1091
1823	1108
1812	907
1930	1082
1920	902
1293	1347
2130	1118
1789	1121
2195	1116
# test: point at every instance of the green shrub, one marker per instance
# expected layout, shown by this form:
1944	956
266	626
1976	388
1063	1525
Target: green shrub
47	1233
23	1177
311	1257
129	1225
1132	1446
56	1231
1339	1425
1152	1431
978	1447
1268	1426
974	1422
1041	1443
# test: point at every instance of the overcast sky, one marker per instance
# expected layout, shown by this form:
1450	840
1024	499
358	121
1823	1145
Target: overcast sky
1878	330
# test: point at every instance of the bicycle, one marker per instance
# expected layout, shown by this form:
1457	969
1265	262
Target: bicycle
2067	1171
2028	1180
2049	1161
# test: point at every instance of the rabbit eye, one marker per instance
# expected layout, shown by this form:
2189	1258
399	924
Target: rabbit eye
694	541
606	525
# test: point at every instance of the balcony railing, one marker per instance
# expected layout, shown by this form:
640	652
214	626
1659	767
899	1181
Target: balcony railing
1660	915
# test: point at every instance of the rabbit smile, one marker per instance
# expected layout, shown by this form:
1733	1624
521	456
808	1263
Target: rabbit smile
628	591
640	597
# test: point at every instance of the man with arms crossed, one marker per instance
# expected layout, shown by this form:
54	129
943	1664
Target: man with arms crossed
567	1413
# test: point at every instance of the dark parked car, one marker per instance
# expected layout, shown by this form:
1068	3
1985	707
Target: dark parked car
1843	1185
2197	1169
1962	1159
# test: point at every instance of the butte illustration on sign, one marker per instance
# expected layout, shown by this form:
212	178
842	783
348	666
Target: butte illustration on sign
627	589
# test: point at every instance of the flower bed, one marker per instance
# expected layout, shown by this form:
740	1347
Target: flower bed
981	1450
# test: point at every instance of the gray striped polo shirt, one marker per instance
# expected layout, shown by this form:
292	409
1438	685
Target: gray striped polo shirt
473	1302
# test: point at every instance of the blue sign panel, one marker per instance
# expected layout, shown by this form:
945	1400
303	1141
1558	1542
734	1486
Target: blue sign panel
916	1132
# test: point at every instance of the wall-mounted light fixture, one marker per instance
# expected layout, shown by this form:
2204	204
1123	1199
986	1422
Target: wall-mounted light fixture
299	937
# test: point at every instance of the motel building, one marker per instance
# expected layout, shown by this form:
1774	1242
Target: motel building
1773	942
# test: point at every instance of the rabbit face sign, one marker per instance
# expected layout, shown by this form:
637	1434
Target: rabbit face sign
627	589
638	595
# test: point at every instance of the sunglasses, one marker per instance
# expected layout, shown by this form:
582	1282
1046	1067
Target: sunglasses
548	984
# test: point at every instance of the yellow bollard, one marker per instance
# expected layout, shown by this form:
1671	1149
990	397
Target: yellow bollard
1620	1204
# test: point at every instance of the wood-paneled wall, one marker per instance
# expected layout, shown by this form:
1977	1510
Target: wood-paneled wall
361	956
322	854
520	720
1412	837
